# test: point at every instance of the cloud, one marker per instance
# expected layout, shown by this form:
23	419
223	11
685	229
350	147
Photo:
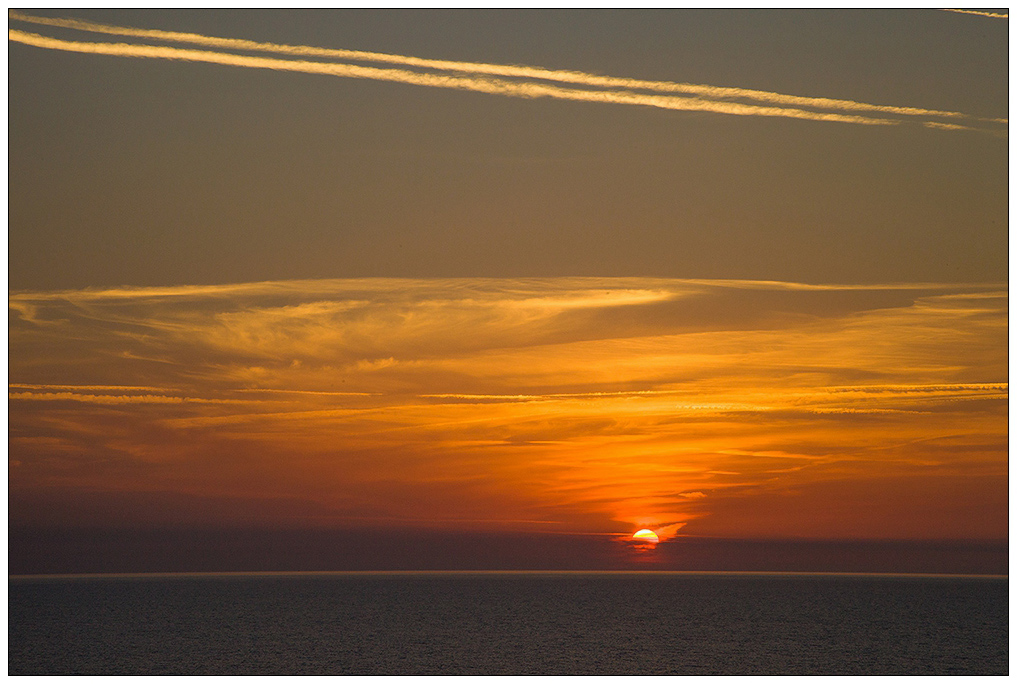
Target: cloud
482	85
83	388
478	339
666	532
459	400
992	15
112	398
574	77
509	80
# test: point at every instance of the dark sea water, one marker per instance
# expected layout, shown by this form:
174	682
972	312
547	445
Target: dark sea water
508	623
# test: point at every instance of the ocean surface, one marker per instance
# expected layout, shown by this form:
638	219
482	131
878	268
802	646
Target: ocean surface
508	623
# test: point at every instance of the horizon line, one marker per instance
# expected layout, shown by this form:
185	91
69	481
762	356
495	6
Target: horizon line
284	573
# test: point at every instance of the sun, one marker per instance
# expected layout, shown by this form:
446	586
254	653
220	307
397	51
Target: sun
646	536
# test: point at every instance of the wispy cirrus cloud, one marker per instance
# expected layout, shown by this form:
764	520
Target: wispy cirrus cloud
507	80
597	403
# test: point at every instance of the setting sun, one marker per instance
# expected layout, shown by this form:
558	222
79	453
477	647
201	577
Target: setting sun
646	536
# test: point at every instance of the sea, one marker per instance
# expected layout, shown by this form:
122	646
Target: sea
511	623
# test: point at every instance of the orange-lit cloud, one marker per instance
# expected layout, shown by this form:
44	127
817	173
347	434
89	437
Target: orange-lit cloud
587	404
563	76
483	85
510	80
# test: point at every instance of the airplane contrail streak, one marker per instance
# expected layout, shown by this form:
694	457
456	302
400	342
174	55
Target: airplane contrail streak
477	84
992	15
562	76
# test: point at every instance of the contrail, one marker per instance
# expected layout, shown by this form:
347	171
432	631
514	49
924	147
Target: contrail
485	85
981	14
562	76
481	77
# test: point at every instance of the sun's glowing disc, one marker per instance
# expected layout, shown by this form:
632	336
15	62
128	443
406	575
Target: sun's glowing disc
646	536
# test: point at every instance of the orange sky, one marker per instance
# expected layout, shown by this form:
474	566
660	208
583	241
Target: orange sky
575	405
318	271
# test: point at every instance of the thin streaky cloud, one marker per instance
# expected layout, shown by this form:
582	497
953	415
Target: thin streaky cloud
889	390
946	126
957	127
115	399
779	285
566	395
89	388
563	76
491	86
992	15
952	387
332	287
309	392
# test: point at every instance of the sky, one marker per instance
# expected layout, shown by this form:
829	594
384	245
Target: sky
379	289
